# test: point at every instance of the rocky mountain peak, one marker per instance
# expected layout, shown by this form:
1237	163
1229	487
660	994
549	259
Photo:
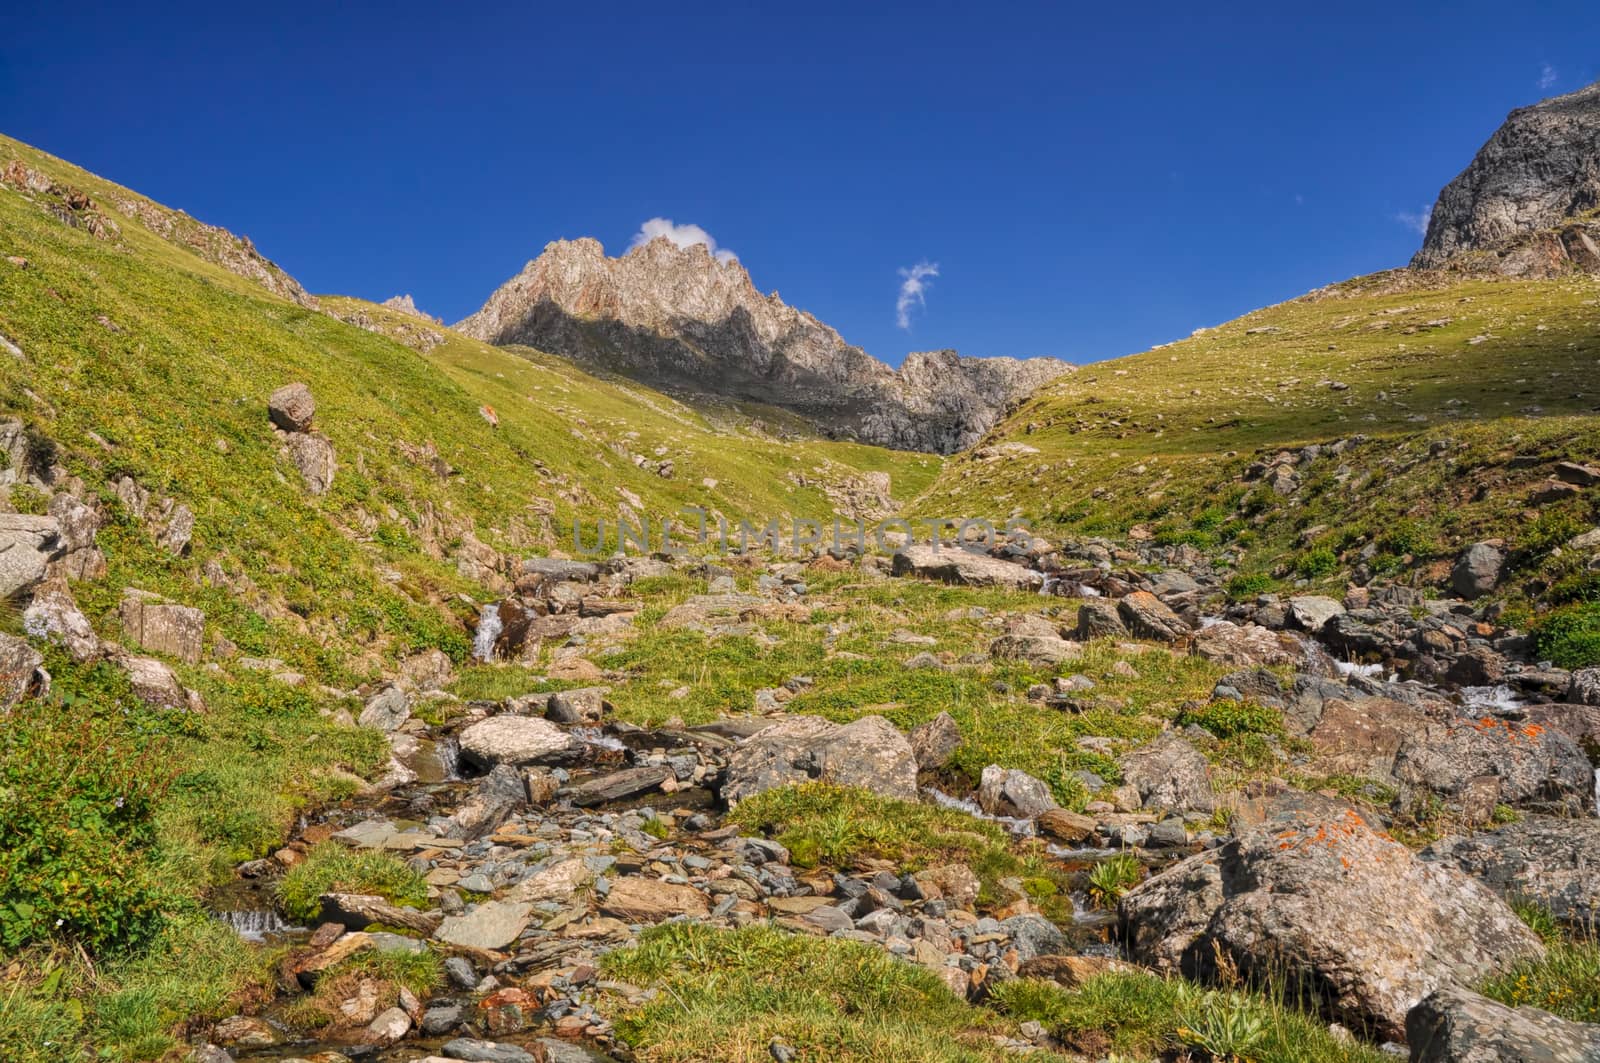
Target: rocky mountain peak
1527	204
681	318
405	305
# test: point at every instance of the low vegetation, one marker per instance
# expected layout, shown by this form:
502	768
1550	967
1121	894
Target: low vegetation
732	994
333	868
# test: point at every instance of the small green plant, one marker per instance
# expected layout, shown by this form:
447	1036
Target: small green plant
1226	1026
1113	877
26	498
331	868
1317	563
1566	981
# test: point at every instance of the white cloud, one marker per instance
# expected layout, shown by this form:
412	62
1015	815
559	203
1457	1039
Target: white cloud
1415	219
682	235
912	286
1547	77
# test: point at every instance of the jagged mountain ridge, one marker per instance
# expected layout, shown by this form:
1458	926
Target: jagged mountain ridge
1525	205
677	317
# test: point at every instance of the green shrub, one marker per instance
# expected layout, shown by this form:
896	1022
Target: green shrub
1248	585
25	498
1225	718
77	829
1113	877
1314	564
331	868
1570	636
1408	536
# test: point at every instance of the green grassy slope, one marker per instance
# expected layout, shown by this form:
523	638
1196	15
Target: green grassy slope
142	356
1466	391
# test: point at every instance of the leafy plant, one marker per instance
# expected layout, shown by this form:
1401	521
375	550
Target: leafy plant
1226	718
1113	877
1570	636
1226	1026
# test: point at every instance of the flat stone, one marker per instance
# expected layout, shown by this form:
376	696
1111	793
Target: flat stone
491	925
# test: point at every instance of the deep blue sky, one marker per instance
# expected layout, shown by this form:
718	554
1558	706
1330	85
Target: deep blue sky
1090	179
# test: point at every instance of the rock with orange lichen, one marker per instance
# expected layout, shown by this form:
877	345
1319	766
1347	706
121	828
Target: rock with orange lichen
1532	766
1317	893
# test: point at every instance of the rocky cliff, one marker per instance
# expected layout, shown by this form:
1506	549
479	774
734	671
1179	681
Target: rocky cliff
1527	204
676	317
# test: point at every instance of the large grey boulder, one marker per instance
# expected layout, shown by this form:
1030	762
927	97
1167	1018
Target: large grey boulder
933	743
1010	792
312	454
1315	889
386	709
1500	761
1041	651
1455	1025
869	753
1477	570
292	408
1249	645
1148	617
1311	612
19	671
1170	774
54	616
1555	862
1585	687
516	740
955	565
160	626
27	546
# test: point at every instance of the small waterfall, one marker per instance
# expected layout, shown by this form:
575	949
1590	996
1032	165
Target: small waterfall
1022	828
255	924
597	739
1494	699
489	628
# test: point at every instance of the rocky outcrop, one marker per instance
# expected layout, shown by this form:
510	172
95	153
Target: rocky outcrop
1316	890
868	753
1525	206
1458	1026
1554	862
676	317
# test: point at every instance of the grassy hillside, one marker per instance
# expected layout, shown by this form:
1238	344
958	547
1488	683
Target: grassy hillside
1457	395
147	347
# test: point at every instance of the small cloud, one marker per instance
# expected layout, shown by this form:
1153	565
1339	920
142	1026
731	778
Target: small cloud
1547	77
1417	220
681	235
912	286
1299	199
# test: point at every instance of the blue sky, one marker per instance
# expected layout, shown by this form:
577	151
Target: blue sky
1088	182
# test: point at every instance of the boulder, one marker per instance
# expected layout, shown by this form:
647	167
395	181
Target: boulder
516	740
1581	723
312	454
79	526
154	624
54	616
582	705
1455	1025
933	743
868	753
1585	687
1527	765
1555	862
1361	736
387	709
1477	570
1010	792
27	546
1148	617
637	899
1170	774
19	671
955	565
1315	890
1041	651
490	925
1311	612
1249	645
153	682
629	782
1100	619
291	408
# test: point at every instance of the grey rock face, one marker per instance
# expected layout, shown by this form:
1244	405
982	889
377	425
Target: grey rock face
868	753
1170	774
1477	570
1318	890
161	626
1009	792
1555	862
27	546
1454	1025
1526	766
1513	207
677	317
291	408
515	740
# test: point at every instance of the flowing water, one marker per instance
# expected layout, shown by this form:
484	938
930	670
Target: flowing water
489	628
